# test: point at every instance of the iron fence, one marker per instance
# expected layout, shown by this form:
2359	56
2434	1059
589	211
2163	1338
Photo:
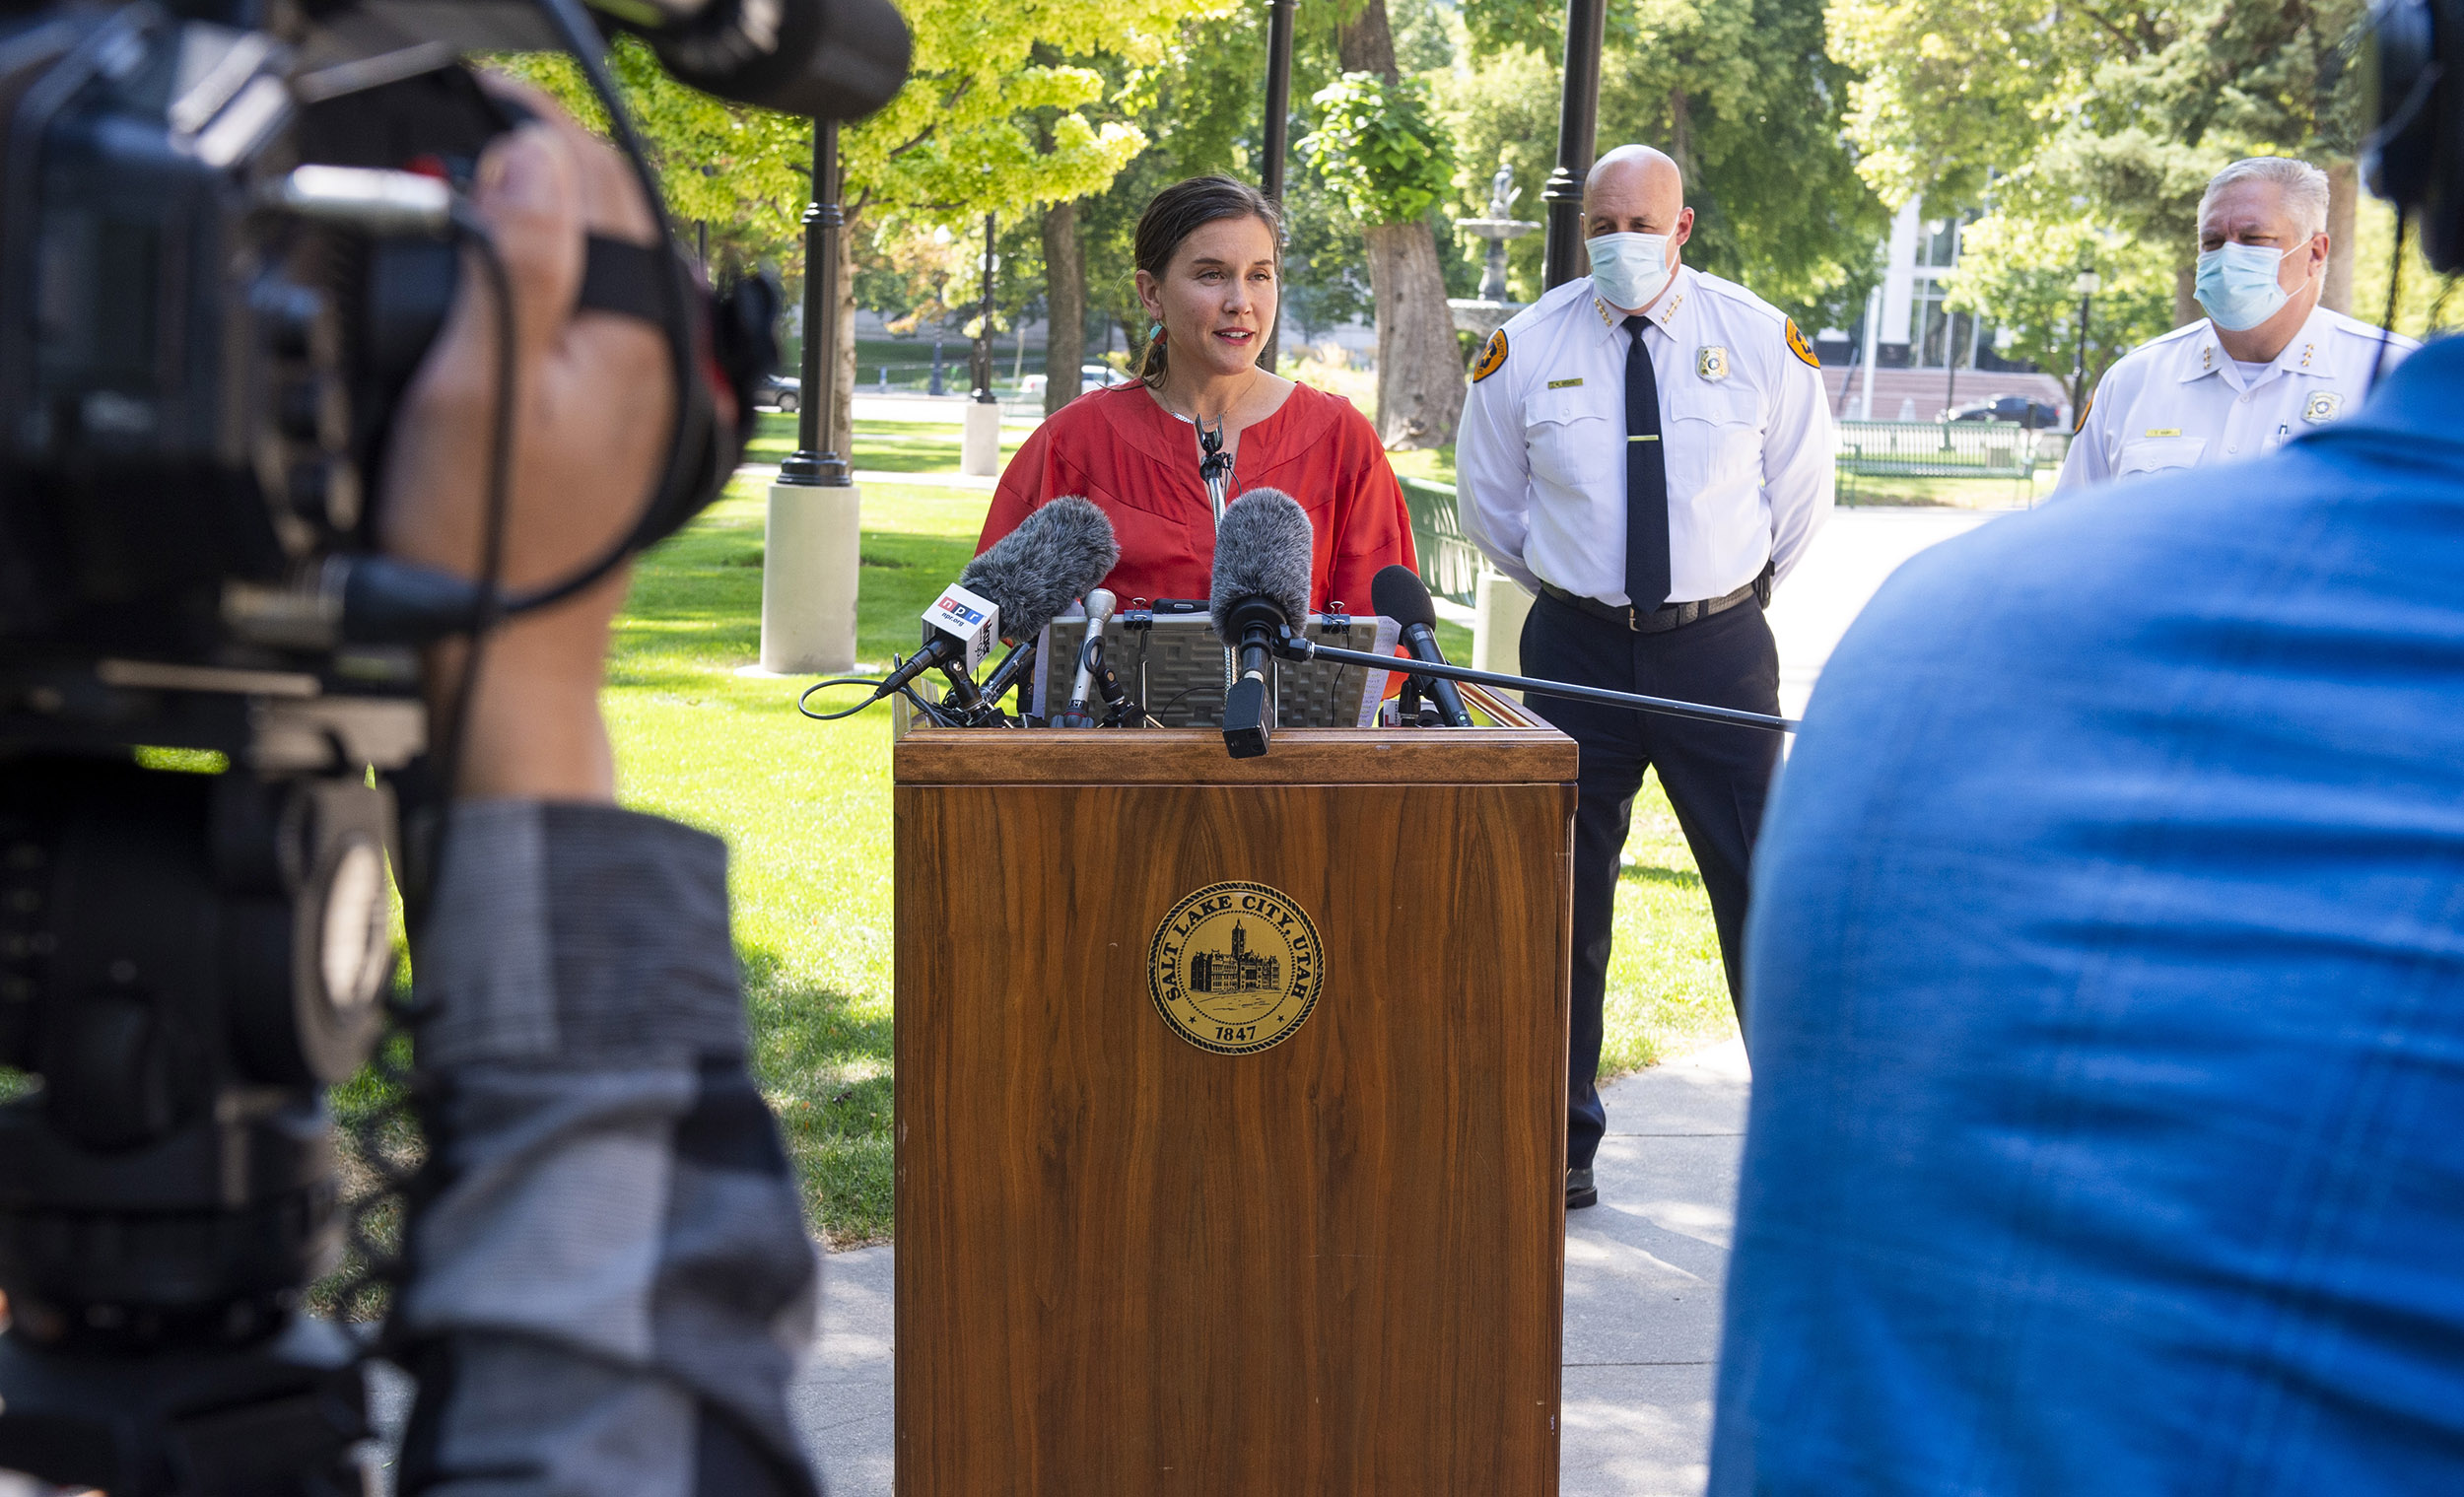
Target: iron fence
1936	450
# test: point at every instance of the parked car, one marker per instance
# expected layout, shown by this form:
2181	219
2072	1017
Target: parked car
2017	410
785	392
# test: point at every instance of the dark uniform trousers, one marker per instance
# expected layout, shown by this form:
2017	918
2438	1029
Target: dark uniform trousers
1716	776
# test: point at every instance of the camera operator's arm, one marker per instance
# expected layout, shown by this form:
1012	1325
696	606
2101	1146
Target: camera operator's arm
610	1280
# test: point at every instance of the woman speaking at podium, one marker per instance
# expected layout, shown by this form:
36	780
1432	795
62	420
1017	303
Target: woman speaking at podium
1208	269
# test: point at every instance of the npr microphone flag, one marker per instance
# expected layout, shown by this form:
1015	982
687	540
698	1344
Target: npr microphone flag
975	622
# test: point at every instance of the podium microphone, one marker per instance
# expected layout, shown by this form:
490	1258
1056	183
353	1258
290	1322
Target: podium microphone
1261	590
1099	607
1075	551
1013	589
1399	593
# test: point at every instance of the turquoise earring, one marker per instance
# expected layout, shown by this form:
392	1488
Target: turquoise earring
1154	330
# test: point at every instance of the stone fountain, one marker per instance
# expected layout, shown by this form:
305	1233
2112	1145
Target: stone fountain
1485	313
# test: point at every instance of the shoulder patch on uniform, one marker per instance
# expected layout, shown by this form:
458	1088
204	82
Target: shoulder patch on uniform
1492	357
2085	406
1798	345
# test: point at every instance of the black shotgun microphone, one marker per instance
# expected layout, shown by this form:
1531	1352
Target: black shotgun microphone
1399	593
1261	592
1025	578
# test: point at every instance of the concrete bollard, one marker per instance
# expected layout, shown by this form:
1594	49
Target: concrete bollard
1499	606
810	550
980	451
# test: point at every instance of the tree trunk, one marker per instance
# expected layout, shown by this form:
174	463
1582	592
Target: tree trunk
1682	135
2186	307
2337	295
840	437
1420	374
1366	43
1065	301
1421	378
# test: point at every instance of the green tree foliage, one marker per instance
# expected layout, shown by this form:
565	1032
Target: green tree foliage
2022	279
1746	98
2090	130
739	170
1742	93
1378	146
957	142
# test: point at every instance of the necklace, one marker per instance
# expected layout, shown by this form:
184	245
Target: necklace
1196	418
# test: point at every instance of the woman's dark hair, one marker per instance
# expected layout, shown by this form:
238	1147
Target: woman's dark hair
1178	212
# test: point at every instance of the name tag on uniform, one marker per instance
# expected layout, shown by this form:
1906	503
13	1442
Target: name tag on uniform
2164	431
1563	384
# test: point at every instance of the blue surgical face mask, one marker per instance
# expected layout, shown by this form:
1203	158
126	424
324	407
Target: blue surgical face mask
1628	269
2237	285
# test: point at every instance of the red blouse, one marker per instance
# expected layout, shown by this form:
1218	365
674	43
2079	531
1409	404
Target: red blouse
1138	464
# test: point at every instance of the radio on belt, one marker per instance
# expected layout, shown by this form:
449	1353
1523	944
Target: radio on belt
967	618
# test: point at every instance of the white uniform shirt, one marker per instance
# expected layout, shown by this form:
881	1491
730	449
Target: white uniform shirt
1746	432
2180	401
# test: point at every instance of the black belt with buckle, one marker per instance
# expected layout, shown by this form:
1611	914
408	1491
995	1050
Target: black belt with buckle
1667	616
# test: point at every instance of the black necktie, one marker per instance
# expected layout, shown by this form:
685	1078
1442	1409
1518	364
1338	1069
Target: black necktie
1646	479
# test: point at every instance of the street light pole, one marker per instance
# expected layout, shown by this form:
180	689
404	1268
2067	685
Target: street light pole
1578	116
817	459
980	436
1277	138
1278	120
812	532
981	360
2084	285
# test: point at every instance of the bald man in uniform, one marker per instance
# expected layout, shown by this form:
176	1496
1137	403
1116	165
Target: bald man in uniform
1648	451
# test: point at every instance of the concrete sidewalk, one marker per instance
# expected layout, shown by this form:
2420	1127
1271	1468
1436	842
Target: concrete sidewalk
1644	1273
1854	552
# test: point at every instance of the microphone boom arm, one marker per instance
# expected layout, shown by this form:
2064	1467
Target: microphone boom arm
1296	648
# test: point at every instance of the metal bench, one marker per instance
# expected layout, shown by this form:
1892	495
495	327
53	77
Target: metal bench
1449	562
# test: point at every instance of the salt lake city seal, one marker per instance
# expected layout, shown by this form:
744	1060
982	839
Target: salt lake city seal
1235	967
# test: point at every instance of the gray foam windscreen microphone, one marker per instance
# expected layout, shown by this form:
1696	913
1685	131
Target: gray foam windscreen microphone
1052	559
1261	550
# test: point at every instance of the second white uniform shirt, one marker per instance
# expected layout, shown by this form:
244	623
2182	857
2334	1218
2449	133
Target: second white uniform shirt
2181	401
1746	430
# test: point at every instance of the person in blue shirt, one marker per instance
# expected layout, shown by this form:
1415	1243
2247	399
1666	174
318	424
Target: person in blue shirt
2106	978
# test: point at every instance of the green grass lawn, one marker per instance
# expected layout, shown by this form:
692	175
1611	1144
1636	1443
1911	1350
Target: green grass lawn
888	446
805	809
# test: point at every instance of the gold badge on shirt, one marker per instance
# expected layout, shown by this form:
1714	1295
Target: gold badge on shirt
1798	345
2323	406
1711	362
1493	357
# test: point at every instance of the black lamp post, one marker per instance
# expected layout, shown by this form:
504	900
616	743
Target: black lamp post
2085	287
1579	112
1277	136
818	459
980	363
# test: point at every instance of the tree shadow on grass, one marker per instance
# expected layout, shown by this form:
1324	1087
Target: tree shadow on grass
823	1060
695	601
1653	873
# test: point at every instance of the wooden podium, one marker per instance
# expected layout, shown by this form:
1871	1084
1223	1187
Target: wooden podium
1136	1253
